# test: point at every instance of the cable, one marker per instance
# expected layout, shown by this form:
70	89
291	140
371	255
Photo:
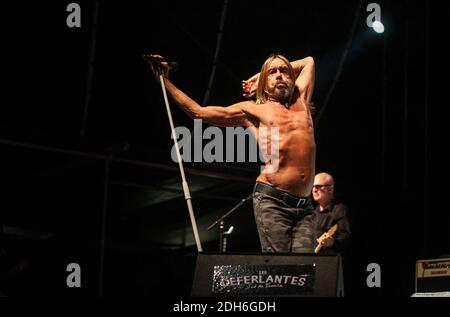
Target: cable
341	63
216	53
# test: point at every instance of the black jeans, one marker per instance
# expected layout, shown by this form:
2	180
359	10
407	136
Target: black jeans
282	228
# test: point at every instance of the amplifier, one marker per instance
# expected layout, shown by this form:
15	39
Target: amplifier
433	275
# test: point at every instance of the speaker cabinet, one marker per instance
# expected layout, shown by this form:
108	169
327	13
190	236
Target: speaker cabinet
268	275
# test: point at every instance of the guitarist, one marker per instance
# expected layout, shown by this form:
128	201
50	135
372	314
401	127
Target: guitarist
328	213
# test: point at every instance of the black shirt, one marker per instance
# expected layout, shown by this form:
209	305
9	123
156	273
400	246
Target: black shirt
331	215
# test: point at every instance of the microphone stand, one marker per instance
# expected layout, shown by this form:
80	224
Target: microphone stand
221	222
187	194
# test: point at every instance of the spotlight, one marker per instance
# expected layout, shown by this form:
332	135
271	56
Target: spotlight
378	27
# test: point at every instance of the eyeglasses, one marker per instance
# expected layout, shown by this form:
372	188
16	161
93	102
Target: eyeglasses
321	186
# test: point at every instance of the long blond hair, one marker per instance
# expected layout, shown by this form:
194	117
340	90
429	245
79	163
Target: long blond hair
261	94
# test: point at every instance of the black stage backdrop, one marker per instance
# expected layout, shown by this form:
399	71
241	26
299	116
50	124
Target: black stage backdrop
87	174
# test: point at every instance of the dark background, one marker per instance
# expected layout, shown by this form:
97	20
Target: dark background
85	141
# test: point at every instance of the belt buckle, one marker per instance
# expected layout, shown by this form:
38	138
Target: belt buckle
301	201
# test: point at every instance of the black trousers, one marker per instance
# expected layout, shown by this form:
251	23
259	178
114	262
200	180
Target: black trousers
283	228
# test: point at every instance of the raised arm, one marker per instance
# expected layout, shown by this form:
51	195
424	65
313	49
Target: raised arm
249	86
305	71
238	114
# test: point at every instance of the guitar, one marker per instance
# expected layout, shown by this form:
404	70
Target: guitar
330	233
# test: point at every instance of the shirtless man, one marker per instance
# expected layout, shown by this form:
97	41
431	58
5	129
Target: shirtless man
281	197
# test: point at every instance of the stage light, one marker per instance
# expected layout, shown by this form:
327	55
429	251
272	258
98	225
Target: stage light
378	27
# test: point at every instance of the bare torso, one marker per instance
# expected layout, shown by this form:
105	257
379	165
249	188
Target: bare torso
295	168
297	148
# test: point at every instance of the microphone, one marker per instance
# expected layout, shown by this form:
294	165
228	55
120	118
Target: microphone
173	66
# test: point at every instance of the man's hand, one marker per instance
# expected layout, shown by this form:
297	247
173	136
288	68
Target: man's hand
249	86
326	240
159	66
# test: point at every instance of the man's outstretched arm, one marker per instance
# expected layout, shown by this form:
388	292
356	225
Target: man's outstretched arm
234	115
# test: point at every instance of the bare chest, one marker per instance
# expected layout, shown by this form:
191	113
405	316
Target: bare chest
287	120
